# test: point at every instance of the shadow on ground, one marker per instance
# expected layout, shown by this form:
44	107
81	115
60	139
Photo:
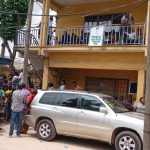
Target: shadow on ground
86	143
69	141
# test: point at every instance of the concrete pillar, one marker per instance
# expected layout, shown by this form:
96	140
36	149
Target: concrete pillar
141	84
47	74
45	23
42	23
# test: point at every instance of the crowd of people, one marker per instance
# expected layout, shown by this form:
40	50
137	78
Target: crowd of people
15	99
137	106
62	86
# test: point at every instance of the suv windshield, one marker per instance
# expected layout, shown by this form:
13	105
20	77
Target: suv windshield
115	105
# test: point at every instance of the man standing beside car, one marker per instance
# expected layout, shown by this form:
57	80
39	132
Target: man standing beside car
17	107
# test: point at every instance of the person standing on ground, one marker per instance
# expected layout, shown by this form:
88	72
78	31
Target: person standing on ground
25	91
76	86
50	86
8	101
62	85
25	127
2	94
139	106
17	107
21	77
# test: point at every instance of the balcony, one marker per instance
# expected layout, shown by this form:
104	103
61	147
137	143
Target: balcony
114	35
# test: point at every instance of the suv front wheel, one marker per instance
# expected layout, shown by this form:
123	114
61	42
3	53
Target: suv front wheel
128	140
45	130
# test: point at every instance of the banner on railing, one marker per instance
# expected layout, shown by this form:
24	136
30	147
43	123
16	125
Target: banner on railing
96	36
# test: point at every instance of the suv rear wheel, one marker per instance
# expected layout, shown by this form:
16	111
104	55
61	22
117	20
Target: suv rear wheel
128	140
45	130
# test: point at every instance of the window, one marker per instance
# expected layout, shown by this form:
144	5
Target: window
68	100
99	19
91	103
48	98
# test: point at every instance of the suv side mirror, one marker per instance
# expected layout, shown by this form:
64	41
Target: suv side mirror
103	110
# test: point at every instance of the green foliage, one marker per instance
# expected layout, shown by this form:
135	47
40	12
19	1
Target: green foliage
11	20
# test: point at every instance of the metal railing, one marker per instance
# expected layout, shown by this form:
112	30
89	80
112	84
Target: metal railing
20	38
113	35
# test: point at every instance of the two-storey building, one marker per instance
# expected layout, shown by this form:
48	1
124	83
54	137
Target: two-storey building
116	67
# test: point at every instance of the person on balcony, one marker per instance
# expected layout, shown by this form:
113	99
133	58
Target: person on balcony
65	39
74	39
126	21
50	30
84	37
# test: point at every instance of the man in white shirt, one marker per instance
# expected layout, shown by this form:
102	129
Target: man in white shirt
139	106
50	30
21	76
15	79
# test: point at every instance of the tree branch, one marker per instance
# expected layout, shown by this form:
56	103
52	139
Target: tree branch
7	46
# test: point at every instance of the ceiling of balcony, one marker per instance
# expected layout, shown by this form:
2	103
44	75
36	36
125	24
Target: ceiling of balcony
62	3
76	2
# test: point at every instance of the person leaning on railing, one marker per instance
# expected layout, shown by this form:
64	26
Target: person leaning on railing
126	21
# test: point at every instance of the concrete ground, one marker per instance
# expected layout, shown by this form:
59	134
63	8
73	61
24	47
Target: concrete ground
31	142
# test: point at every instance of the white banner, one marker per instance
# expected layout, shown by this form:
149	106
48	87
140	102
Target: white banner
96	36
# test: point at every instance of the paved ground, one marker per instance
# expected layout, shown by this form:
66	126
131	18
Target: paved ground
31	142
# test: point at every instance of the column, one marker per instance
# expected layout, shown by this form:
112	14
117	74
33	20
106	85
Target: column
45	25
42	23
147	26
141	84
47	74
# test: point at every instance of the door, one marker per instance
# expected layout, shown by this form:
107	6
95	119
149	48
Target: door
112	87
91	122
67	113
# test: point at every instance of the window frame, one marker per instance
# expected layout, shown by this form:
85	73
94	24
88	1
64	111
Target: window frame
48	103
80	100
60	100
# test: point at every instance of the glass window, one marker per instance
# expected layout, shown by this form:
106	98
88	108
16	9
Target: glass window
68	100
115	105
91	103
48	98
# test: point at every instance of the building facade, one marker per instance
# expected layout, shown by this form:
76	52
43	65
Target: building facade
117	67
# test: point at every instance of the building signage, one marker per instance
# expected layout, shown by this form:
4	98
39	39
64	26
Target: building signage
96	36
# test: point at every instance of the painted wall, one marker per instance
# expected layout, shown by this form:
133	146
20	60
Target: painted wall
79	75
110	61
138	12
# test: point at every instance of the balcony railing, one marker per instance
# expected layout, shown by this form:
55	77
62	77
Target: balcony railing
113	35
20	38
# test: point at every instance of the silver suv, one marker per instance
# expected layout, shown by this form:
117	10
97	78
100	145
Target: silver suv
85	115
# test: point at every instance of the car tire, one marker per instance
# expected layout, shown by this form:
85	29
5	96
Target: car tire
46	130
127	140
